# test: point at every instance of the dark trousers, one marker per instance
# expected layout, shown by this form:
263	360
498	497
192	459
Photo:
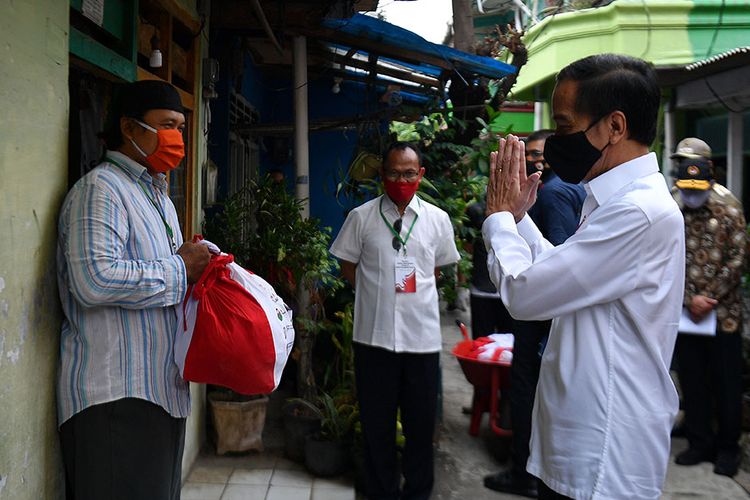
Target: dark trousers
386	382
529	337
710	373
489	315
129	449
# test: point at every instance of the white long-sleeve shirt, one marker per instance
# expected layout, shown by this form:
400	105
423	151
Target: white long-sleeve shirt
605	402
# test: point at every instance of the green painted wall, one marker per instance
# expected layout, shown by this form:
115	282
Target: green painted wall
517	122
33	178
713	29
34	45
196	423
664	32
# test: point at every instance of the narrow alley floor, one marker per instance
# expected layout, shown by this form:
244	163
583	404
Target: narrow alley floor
461	460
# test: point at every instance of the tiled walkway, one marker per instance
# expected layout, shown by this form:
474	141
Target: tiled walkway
259	476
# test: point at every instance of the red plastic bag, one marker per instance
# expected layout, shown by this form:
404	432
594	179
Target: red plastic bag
236	331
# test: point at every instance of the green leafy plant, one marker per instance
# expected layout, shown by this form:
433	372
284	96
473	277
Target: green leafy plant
339	368
337	415
262	226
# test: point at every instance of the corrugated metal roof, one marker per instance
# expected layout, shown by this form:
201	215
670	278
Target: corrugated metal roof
718	58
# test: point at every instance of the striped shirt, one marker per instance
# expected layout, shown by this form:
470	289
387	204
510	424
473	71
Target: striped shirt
119	282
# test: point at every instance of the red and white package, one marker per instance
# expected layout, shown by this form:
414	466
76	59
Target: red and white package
235	331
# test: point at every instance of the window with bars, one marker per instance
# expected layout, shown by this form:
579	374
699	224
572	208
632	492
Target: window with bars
244	157
244	154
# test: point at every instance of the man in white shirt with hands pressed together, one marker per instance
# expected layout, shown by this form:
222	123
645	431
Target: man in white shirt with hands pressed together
605	401
391	249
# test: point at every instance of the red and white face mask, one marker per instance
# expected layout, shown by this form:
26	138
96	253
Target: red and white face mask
170	148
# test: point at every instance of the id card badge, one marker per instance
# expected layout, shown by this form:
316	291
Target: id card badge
406	274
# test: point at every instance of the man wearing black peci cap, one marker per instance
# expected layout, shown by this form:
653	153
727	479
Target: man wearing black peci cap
122	269
710	367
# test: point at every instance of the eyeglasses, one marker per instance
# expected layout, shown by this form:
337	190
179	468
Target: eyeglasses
410	176
396	242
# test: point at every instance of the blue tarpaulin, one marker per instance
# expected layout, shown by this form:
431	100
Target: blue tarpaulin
389	35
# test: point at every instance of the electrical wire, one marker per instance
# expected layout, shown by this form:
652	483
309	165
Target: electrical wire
719	98
716	29
648	28
551	18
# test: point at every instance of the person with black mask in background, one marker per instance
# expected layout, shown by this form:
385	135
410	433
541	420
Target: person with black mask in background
558	204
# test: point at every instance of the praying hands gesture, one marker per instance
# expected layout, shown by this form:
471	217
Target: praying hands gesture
509	188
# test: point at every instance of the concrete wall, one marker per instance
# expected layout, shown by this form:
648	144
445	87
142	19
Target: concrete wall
33	177
33	182
196	423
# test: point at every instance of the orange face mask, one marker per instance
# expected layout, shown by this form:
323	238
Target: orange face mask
170	148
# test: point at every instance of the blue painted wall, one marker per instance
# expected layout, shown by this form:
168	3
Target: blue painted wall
330	151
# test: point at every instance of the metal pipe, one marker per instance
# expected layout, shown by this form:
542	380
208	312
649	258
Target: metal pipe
301	133
538	115
669	139
734	154
266	27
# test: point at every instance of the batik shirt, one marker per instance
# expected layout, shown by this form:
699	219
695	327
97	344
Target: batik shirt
716	243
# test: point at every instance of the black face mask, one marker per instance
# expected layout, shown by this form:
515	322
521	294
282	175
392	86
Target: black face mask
571	156
531	167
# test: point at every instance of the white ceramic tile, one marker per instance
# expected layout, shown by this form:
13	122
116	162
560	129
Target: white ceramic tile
288	493
210	474
332	482
202	491
340	493
285	463
263	460
251	476
298	478
245	492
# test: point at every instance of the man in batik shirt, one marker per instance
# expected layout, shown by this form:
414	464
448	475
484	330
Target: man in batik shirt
710	366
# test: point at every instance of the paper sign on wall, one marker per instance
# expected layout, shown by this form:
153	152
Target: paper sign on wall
94	10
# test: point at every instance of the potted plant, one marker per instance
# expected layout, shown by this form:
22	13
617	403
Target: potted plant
301	419
238	420
327	451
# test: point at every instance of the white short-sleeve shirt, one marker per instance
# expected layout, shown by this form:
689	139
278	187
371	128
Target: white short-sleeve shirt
400	322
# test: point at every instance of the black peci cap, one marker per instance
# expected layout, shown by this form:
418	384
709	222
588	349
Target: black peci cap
140	97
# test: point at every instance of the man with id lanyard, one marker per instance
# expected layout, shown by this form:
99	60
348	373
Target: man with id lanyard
122	269
391	249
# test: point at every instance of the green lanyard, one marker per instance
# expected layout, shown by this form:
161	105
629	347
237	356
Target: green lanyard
167	227
397	235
